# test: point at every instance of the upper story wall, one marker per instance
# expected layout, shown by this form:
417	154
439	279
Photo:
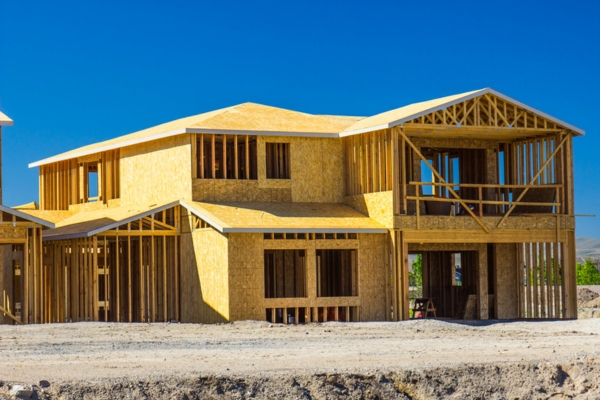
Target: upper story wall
157	171
88	182
314	167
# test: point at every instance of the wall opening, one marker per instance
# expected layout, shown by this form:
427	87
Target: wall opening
337	274
278	160
285	273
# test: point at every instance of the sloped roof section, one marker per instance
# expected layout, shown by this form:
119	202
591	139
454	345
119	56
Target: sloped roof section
90	223
246	118
283	217
27	217
4	120
400	115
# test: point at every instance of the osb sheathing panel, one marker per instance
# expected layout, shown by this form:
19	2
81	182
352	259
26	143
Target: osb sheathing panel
221	190
246	252
378	206
317	170
506	284
246	276
286	215
372	261
466	222
156	171
97	205
204	277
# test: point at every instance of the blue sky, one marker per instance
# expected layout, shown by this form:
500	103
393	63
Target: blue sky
73	73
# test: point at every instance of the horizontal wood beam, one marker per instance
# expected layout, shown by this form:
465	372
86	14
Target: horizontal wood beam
475	236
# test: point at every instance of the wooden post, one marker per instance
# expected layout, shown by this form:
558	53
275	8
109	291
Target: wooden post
95	280
164	254
212	154
247	157
201	162
105	268
235	155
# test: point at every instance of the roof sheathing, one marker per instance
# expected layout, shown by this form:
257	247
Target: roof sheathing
257	119
407	113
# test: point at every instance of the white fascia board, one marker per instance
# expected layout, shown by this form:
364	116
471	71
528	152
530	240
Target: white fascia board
111	146
133	218
111	226
538	112
135	141
6	123
417	115
28	217
359	131
304	230
262	133
202	216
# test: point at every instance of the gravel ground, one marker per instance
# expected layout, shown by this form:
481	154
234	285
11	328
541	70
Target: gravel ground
412	359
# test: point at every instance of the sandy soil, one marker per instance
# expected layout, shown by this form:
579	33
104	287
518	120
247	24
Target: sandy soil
419	359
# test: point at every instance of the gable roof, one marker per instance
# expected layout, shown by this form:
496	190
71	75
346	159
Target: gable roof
246	119
4	120
407	113
90	223
257	119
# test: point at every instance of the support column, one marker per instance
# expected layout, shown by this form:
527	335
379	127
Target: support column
482	284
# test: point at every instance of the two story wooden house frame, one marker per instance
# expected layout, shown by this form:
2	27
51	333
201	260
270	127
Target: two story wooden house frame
256	212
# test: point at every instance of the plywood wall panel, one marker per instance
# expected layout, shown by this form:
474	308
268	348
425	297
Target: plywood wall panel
372	266
204	277
506	284
246	276
378	206
156	171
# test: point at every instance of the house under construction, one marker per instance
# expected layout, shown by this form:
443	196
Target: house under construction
257	212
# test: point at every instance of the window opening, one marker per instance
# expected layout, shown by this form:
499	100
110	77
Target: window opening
278	160
285	273
92	182
336	273
226	157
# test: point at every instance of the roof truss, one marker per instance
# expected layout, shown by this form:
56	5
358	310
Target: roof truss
499	117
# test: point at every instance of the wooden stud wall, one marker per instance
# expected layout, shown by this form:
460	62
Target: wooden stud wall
368	159
130	274
224	156
544	272
65	183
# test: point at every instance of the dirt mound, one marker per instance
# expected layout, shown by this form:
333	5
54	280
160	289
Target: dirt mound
572	380
585	297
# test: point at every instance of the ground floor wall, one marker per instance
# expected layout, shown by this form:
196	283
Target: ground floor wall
247	279
500	280
205	294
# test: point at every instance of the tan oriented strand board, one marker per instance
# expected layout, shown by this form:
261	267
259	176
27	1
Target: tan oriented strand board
284	216
377	206
156	171
317	169
372	267
506	295
204	281
217	190
246	276
243	117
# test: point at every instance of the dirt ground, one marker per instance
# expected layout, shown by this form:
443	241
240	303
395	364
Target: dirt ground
418	359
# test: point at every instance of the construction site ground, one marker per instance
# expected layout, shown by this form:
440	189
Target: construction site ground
417	359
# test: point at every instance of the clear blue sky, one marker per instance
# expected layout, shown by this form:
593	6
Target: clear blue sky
77	72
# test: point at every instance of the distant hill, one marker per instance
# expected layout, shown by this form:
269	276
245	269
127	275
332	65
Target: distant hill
588	247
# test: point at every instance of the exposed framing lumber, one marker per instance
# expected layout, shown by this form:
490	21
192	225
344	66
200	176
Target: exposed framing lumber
531	182
442	180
